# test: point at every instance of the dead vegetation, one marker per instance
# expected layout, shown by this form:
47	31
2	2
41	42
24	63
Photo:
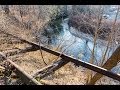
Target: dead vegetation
33	61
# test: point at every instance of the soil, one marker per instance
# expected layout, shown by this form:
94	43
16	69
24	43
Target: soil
32	61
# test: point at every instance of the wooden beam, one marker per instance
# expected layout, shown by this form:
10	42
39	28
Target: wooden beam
50	68
19	38
109	64
18	51
25	77
2	68
95	68
80	62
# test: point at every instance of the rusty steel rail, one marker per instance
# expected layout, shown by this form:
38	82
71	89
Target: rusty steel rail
74	60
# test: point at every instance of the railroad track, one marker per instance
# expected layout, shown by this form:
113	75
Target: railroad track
30	79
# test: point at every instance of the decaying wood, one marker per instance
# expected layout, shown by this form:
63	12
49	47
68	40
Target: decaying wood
23	40
110	63
42	70
2	68
50	68
18	51
46	82
76	61
26	78
10	52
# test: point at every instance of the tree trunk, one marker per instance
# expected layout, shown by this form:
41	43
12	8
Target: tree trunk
110	63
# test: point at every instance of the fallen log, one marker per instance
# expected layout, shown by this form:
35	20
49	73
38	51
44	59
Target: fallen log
18	51
46	82
2	68
19	38
50	68
109	64
68	58
25	77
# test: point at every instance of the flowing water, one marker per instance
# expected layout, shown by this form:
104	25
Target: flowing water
74	43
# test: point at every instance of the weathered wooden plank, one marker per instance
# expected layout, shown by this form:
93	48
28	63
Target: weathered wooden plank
18	51
109	64
95	68
19	38
50	68
80	62
28	79
25	77
2	68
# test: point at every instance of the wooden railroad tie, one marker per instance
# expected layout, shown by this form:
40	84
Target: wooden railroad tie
67	59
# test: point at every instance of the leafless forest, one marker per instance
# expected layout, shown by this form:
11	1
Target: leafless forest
89	33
